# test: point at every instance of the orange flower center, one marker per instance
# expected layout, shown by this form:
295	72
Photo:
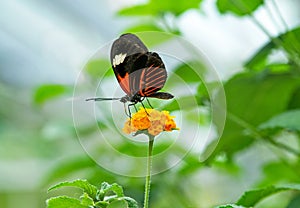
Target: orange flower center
152	120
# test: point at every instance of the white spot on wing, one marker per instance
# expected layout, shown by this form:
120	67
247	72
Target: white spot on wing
118	59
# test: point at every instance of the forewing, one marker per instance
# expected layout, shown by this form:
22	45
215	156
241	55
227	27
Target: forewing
124	54
128	44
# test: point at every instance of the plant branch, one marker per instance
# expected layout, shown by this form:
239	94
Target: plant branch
283	146
290	53
272	16
257	134
286	28
280	15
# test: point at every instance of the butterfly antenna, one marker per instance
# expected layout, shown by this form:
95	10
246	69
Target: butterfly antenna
101	99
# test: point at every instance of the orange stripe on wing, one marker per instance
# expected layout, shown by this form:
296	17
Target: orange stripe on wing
156	80
151	70
124	83
157	73
150	90
142	82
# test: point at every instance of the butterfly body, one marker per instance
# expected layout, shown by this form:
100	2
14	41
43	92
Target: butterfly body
140	73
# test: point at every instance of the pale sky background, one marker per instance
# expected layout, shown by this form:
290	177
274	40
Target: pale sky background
49	41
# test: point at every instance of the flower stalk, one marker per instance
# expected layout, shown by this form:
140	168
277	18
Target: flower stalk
150	122
148	176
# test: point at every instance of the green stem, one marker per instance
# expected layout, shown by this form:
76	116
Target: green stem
291	53
148	176
286	27
284	147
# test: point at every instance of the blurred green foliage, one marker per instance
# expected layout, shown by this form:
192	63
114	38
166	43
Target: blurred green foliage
263	107
238	7
157	8
253	197
247	96
49	91
289	41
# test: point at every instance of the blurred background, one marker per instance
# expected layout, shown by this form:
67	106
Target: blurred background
44	47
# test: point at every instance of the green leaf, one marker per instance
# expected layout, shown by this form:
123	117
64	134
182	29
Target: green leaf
229	206
259	59
238	7
142	28
117	204
101	204
290	42
287	173
97	67
158	7
88	129
289	120
295	101
186	72
153	38
138	10
182	103
131	203
64	202
204	89
279	67
46	92
251	198
106	187
190	164
252	99
88	188
86	200
295	202
69	166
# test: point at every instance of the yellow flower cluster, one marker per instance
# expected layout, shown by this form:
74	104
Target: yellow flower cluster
152	120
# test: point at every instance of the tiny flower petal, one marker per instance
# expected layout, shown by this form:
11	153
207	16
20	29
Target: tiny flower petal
155	115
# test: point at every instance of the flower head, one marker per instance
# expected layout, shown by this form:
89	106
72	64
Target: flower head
150	120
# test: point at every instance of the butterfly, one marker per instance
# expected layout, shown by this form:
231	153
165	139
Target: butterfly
140	73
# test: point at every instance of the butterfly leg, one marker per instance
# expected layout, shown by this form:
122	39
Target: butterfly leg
149	103
127	112
135	107
144	108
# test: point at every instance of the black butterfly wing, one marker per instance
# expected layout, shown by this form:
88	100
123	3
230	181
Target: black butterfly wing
137	70
125	52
